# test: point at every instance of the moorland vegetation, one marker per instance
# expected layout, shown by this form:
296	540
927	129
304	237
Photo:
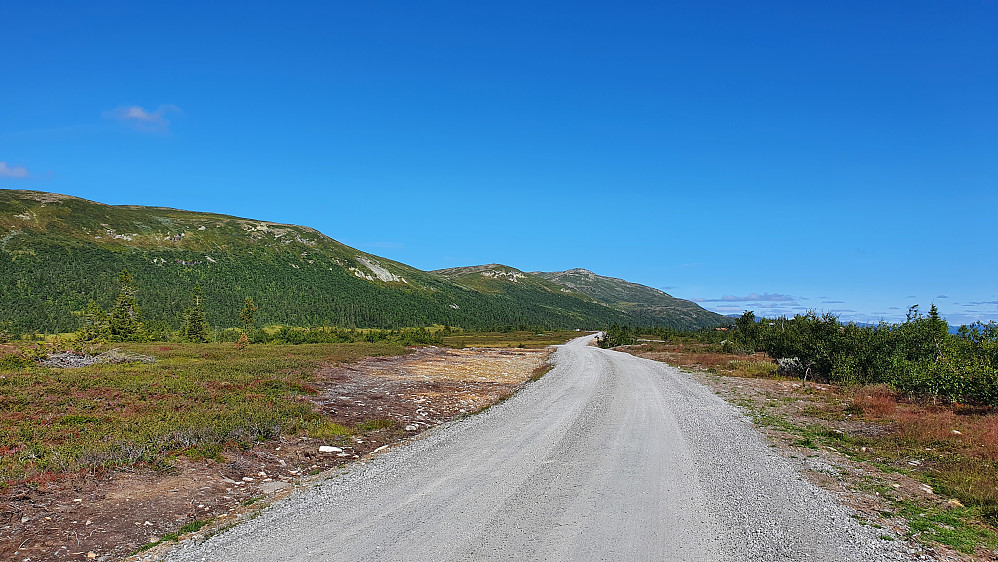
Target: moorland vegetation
918	358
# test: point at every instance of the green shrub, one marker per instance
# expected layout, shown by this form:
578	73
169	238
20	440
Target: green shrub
616	335
918	357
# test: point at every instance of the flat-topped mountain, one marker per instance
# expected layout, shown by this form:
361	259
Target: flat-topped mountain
58	252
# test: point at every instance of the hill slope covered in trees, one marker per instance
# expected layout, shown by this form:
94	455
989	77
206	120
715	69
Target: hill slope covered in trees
650	306
57	253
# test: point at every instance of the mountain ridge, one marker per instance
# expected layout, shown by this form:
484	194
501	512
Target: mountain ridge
641	301
58	252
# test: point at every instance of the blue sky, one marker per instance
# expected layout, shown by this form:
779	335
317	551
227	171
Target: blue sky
773	156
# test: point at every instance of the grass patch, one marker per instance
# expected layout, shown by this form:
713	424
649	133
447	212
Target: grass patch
375	424
955	451
323	429
194	526
528	340
540	371
806	442
709	358
951	448
196	400
252	500
172	537
190	527
753	368
959	528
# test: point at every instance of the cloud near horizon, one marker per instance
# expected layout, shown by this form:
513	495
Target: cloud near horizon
752	297
726	309
13	171
136	117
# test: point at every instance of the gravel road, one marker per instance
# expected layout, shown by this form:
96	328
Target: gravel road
607	457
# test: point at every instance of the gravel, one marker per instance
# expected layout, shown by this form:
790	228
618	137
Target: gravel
607	457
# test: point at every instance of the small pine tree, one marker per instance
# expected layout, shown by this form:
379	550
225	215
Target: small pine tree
242	342
247	316
939	328
196	328
95	323
125	320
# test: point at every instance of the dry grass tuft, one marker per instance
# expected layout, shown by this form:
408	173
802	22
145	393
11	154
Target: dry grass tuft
877	401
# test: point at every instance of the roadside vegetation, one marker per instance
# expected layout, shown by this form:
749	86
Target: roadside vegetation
136	401
536	338
138	393
615	336
196	400
918	358
909	399
950	452
84	417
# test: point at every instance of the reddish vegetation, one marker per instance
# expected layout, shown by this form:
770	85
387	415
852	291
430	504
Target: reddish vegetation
967	430
378	402
695	356
877	401
951	447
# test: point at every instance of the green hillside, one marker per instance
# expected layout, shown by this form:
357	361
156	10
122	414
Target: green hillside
646	304
495	278
58	252
641	304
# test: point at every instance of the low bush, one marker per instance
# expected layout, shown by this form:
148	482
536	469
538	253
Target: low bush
917	358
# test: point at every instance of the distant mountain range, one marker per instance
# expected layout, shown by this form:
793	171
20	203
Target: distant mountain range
58	252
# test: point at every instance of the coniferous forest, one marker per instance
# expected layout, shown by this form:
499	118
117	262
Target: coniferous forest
60	256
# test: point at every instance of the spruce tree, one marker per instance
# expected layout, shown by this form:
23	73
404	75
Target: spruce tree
196	327
939	329
124	319
95	323
247	315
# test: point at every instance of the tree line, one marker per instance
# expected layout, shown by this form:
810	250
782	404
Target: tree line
918	357
48	287
123	322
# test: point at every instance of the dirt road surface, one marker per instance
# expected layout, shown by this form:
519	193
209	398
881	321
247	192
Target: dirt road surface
607	457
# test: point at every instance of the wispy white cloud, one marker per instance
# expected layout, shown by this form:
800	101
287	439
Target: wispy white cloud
752	297
140	119
13	171
970	316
